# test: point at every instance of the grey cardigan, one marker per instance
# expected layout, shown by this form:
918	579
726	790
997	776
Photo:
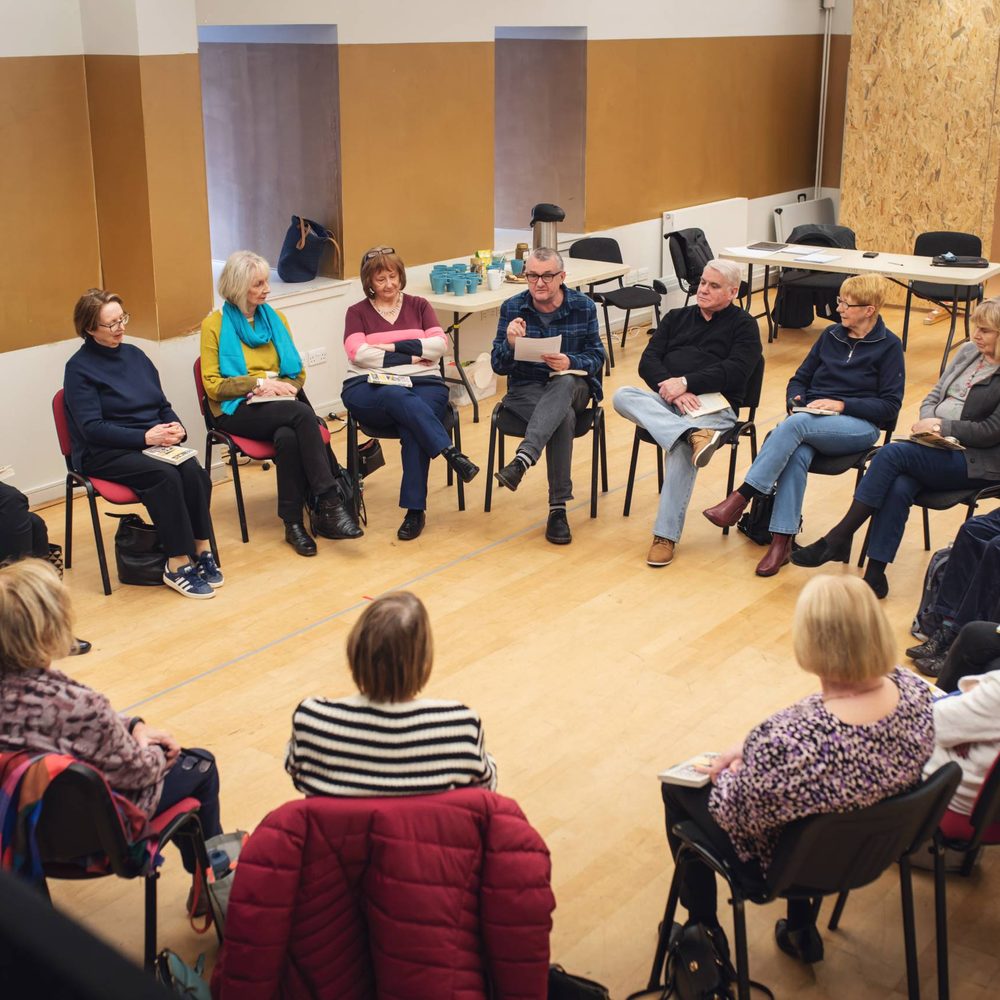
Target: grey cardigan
979	427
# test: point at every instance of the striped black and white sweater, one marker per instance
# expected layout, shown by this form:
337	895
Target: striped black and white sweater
354	747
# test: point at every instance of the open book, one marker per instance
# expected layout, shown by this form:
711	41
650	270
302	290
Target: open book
931	440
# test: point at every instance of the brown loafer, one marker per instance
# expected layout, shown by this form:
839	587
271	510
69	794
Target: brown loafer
727	513
661	552
779	553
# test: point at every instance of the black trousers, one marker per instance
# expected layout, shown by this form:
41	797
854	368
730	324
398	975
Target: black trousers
176	496
22	533
976	650
194	774
301	456
698	892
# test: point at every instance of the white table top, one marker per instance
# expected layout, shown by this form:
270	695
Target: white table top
578	272
893	265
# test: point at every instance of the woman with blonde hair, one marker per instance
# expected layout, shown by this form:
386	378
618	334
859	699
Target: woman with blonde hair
955	445
44	711
385	740
253	377
849	388
863	737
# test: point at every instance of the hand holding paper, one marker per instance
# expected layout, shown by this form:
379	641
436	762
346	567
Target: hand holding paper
534	348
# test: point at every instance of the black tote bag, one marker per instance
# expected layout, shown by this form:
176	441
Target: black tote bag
303	248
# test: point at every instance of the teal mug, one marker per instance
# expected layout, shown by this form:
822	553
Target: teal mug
517	266
439	279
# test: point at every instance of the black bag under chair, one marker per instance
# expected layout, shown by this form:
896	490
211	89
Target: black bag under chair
139	556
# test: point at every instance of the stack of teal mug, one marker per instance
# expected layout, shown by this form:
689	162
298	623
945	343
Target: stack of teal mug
454	278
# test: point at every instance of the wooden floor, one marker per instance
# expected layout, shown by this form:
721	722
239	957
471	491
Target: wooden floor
591	672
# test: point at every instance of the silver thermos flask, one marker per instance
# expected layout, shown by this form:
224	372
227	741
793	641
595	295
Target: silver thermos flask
545	219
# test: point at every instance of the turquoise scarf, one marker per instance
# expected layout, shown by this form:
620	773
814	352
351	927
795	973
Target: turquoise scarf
267	328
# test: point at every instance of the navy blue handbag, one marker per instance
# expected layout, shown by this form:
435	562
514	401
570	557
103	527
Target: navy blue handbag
303	248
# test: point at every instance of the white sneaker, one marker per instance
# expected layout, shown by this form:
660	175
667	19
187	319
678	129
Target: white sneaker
188	581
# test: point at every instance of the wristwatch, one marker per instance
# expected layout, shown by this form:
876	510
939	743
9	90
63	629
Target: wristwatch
685	381
937	428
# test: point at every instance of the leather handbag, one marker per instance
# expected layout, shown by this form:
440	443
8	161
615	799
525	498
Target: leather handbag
303	248
139	556
370	457
564	985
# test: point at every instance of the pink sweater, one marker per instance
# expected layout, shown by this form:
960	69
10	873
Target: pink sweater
373	343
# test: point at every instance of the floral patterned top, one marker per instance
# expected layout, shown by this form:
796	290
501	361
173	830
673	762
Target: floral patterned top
803	761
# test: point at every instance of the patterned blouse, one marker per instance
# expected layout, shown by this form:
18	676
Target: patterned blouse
803	761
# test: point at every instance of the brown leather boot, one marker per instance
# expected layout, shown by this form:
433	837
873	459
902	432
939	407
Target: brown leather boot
778	554
727	513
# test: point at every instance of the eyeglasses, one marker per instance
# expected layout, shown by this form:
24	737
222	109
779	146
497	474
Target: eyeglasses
118	324
543	278
377	252
843	304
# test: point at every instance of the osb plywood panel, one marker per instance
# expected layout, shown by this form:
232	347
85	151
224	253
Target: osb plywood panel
679	121
417	144
541	121
49	248
920	143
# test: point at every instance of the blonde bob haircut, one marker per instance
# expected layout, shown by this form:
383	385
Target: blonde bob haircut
380	259
987	314
390	649
36	618
867	289
238	274
840	633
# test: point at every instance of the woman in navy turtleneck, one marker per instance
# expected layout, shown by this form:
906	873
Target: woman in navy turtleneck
116	408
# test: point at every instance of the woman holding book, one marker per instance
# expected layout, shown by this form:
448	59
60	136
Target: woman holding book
849	387
398	336
116	409
955	445
253	377
863	737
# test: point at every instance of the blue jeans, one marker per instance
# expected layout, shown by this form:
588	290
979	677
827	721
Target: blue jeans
898	472
782	464
415	413
668	427
194	775
970	588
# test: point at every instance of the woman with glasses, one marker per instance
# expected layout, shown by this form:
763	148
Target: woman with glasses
394	343
849	387
253	377
116	408
955	445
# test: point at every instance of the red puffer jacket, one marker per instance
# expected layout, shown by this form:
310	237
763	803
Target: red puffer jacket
429	897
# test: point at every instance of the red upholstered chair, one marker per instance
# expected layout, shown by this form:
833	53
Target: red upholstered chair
114	493
260	451
424	895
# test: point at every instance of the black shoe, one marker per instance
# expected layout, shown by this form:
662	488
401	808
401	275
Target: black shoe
936	646
80	647
511	474
412	525
930	667
461	465
557	529
803	944
334	519
297	536
820	552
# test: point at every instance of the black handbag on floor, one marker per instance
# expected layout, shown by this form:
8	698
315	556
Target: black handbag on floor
756	522
139	556
564	985
303	248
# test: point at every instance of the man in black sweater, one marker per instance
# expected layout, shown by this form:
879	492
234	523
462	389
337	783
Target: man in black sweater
711	347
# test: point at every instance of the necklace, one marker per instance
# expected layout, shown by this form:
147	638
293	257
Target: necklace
388	311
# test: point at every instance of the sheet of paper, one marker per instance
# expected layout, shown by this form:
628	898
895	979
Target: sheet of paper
818	258
746	252
532	348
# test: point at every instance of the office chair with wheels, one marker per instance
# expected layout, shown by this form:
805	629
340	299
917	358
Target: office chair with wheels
626	297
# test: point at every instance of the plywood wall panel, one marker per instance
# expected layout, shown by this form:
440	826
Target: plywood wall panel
417	139
541	122
679	121
48	227
920	143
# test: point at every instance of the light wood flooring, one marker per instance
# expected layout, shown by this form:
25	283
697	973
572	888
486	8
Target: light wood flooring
591	672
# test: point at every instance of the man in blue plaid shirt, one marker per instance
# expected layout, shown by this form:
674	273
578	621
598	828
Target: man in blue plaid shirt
549	393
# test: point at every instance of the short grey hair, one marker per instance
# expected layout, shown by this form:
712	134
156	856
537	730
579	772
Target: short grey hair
547	253
729	271
238	275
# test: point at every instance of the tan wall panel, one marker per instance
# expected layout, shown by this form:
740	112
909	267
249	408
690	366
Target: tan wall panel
417	139
836	99
920	150
541	124
114	93
178	201
679	121
288	95
48	248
